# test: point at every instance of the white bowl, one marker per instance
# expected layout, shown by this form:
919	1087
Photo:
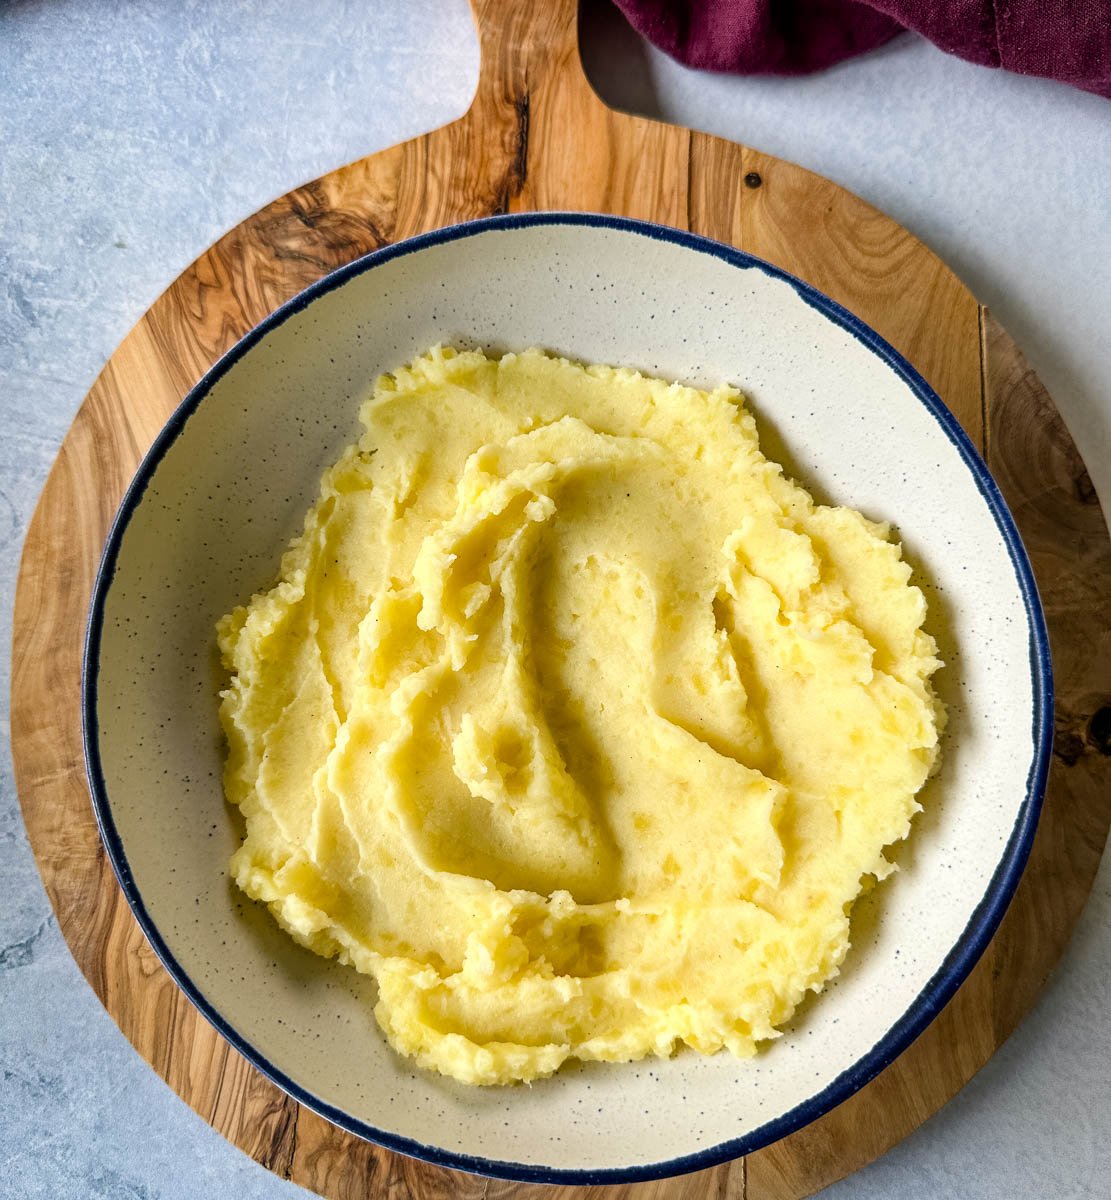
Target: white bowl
227	483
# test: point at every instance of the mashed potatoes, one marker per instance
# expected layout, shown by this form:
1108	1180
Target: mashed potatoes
572	721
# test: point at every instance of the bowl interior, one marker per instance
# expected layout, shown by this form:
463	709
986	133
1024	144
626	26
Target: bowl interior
227	485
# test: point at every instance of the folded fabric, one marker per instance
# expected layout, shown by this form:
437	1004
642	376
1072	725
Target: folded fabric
1068	40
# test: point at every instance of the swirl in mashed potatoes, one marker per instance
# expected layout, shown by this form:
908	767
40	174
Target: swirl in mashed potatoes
572	721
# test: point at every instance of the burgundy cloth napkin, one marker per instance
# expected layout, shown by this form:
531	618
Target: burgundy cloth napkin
1069	40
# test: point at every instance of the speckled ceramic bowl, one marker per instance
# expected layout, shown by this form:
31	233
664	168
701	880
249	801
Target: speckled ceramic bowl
227	483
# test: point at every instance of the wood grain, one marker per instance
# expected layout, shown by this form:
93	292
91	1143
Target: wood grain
537	137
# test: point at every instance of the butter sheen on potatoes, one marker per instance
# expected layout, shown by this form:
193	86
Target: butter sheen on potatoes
572	720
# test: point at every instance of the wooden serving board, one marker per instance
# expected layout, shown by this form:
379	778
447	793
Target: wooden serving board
537	137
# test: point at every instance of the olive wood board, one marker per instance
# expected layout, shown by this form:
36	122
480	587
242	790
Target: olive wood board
536	137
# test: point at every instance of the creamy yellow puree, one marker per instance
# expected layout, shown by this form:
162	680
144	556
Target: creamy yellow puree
572	720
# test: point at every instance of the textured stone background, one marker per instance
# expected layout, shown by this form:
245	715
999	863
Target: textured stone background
132	133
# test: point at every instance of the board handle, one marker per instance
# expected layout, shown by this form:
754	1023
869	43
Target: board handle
528	48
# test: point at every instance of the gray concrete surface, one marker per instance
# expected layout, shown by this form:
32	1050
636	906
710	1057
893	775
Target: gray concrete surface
133	133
